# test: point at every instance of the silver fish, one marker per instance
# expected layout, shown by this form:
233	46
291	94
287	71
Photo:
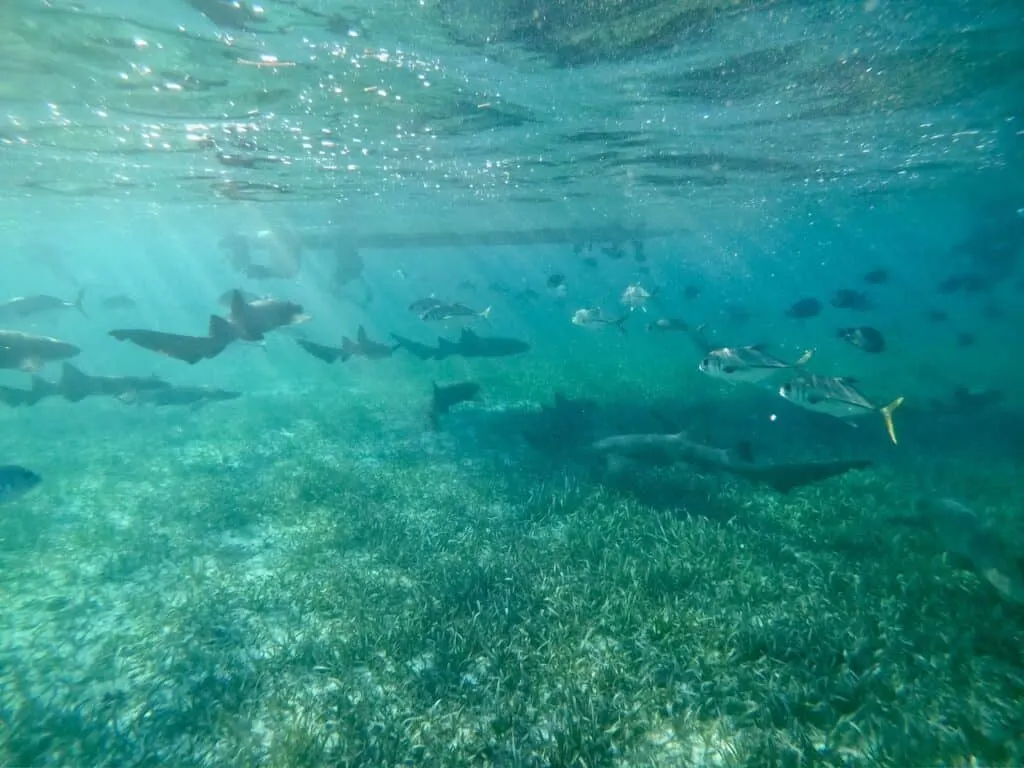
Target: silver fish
837	397
749	365
455	311
593	317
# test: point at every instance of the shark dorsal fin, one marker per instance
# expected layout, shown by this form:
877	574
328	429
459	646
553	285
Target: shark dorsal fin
238	304
361	337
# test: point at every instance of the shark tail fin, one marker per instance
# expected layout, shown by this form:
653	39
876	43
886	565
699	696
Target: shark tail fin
79	302
486	314
887	415
620	324
804	358
42	388
361	336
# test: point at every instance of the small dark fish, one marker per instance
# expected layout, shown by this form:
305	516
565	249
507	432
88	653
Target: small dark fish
614	252
993	312
189	349
466	285
323	352
28	352
965	339
423	305
527	294
448	395
589	261
364	346
876	276
639	255
16	481
21	307
847	298
867	338
556	282
120	301
668	324
965	282
497	287
937	315
804	308
691	291
415	348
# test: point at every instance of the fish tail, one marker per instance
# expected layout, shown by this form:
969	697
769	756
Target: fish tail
79	302
486	314
621	324
887	415
804	358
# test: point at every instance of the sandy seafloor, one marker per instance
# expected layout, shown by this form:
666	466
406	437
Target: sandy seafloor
309	576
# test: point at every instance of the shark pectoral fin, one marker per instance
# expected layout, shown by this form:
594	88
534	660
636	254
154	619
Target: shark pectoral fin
804	358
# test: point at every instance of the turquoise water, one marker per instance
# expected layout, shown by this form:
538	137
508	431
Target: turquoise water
226	550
